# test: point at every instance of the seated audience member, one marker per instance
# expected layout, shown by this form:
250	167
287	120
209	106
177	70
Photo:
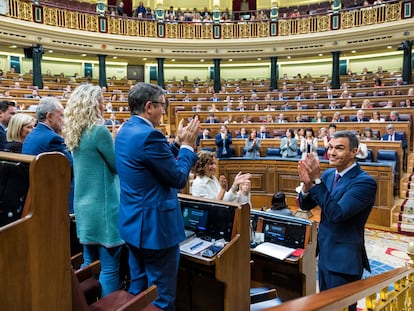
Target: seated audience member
269	118
318	118
252	146
204	135
360	116
376	117
394	116
223	143
336	117
214	98
243	133
279	205
213	108
281	118
20	125
229	119
206	185
408	102
289	145
211	119
112	120
309	144
246	119
323	132
333	105
362	150
368	134
269	107
392	135
263	134
348	104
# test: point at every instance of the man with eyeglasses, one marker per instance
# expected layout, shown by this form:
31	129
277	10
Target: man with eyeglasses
151	172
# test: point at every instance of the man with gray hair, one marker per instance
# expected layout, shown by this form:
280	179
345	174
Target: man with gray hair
46	137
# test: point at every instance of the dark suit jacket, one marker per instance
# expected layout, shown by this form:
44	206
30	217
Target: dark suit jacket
200	137
44	139
3	140
267	135
220	142
150	177
355	119
344	214
397	136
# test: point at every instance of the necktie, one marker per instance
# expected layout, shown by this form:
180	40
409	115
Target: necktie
336	179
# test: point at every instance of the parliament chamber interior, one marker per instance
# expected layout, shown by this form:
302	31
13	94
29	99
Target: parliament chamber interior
248	65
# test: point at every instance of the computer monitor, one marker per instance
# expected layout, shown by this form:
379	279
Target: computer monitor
209	220
195	219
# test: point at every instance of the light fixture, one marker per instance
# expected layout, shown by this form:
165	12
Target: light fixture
51	51
202	60
289	57
173	60
13	46
353	51
320	54
230	59
144	58
389	47
83	55
115	57
259	58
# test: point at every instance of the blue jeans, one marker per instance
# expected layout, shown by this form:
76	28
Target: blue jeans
159	267
109	258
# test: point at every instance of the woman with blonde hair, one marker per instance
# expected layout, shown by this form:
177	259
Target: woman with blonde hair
20	125
96	196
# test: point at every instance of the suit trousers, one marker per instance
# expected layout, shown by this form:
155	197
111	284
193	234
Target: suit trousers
329	279
158	267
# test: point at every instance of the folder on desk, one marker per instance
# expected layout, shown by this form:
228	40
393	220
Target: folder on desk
274	250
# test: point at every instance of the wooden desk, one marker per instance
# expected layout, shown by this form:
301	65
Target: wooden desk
35	260
221	282
293	277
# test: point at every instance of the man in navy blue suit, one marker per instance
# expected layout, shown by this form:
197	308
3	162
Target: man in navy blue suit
46	137
151	172
7	111
392	135
346	195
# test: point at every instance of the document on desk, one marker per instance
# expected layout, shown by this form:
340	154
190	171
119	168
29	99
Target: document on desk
274	250
194	246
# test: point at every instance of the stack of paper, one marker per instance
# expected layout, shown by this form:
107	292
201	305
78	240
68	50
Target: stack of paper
274	250
194	246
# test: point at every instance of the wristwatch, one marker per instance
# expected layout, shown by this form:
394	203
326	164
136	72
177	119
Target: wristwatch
317	181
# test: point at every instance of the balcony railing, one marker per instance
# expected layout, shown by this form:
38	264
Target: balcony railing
87	21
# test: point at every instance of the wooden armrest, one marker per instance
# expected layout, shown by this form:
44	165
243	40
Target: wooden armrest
76	261
123	301
262	294
142	301
89	271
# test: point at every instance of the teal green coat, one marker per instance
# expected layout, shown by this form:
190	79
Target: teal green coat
96	199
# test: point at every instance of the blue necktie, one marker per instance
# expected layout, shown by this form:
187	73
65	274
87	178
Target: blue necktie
335	182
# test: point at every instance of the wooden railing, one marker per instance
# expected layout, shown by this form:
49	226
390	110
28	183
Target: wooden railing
398	298
86	21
